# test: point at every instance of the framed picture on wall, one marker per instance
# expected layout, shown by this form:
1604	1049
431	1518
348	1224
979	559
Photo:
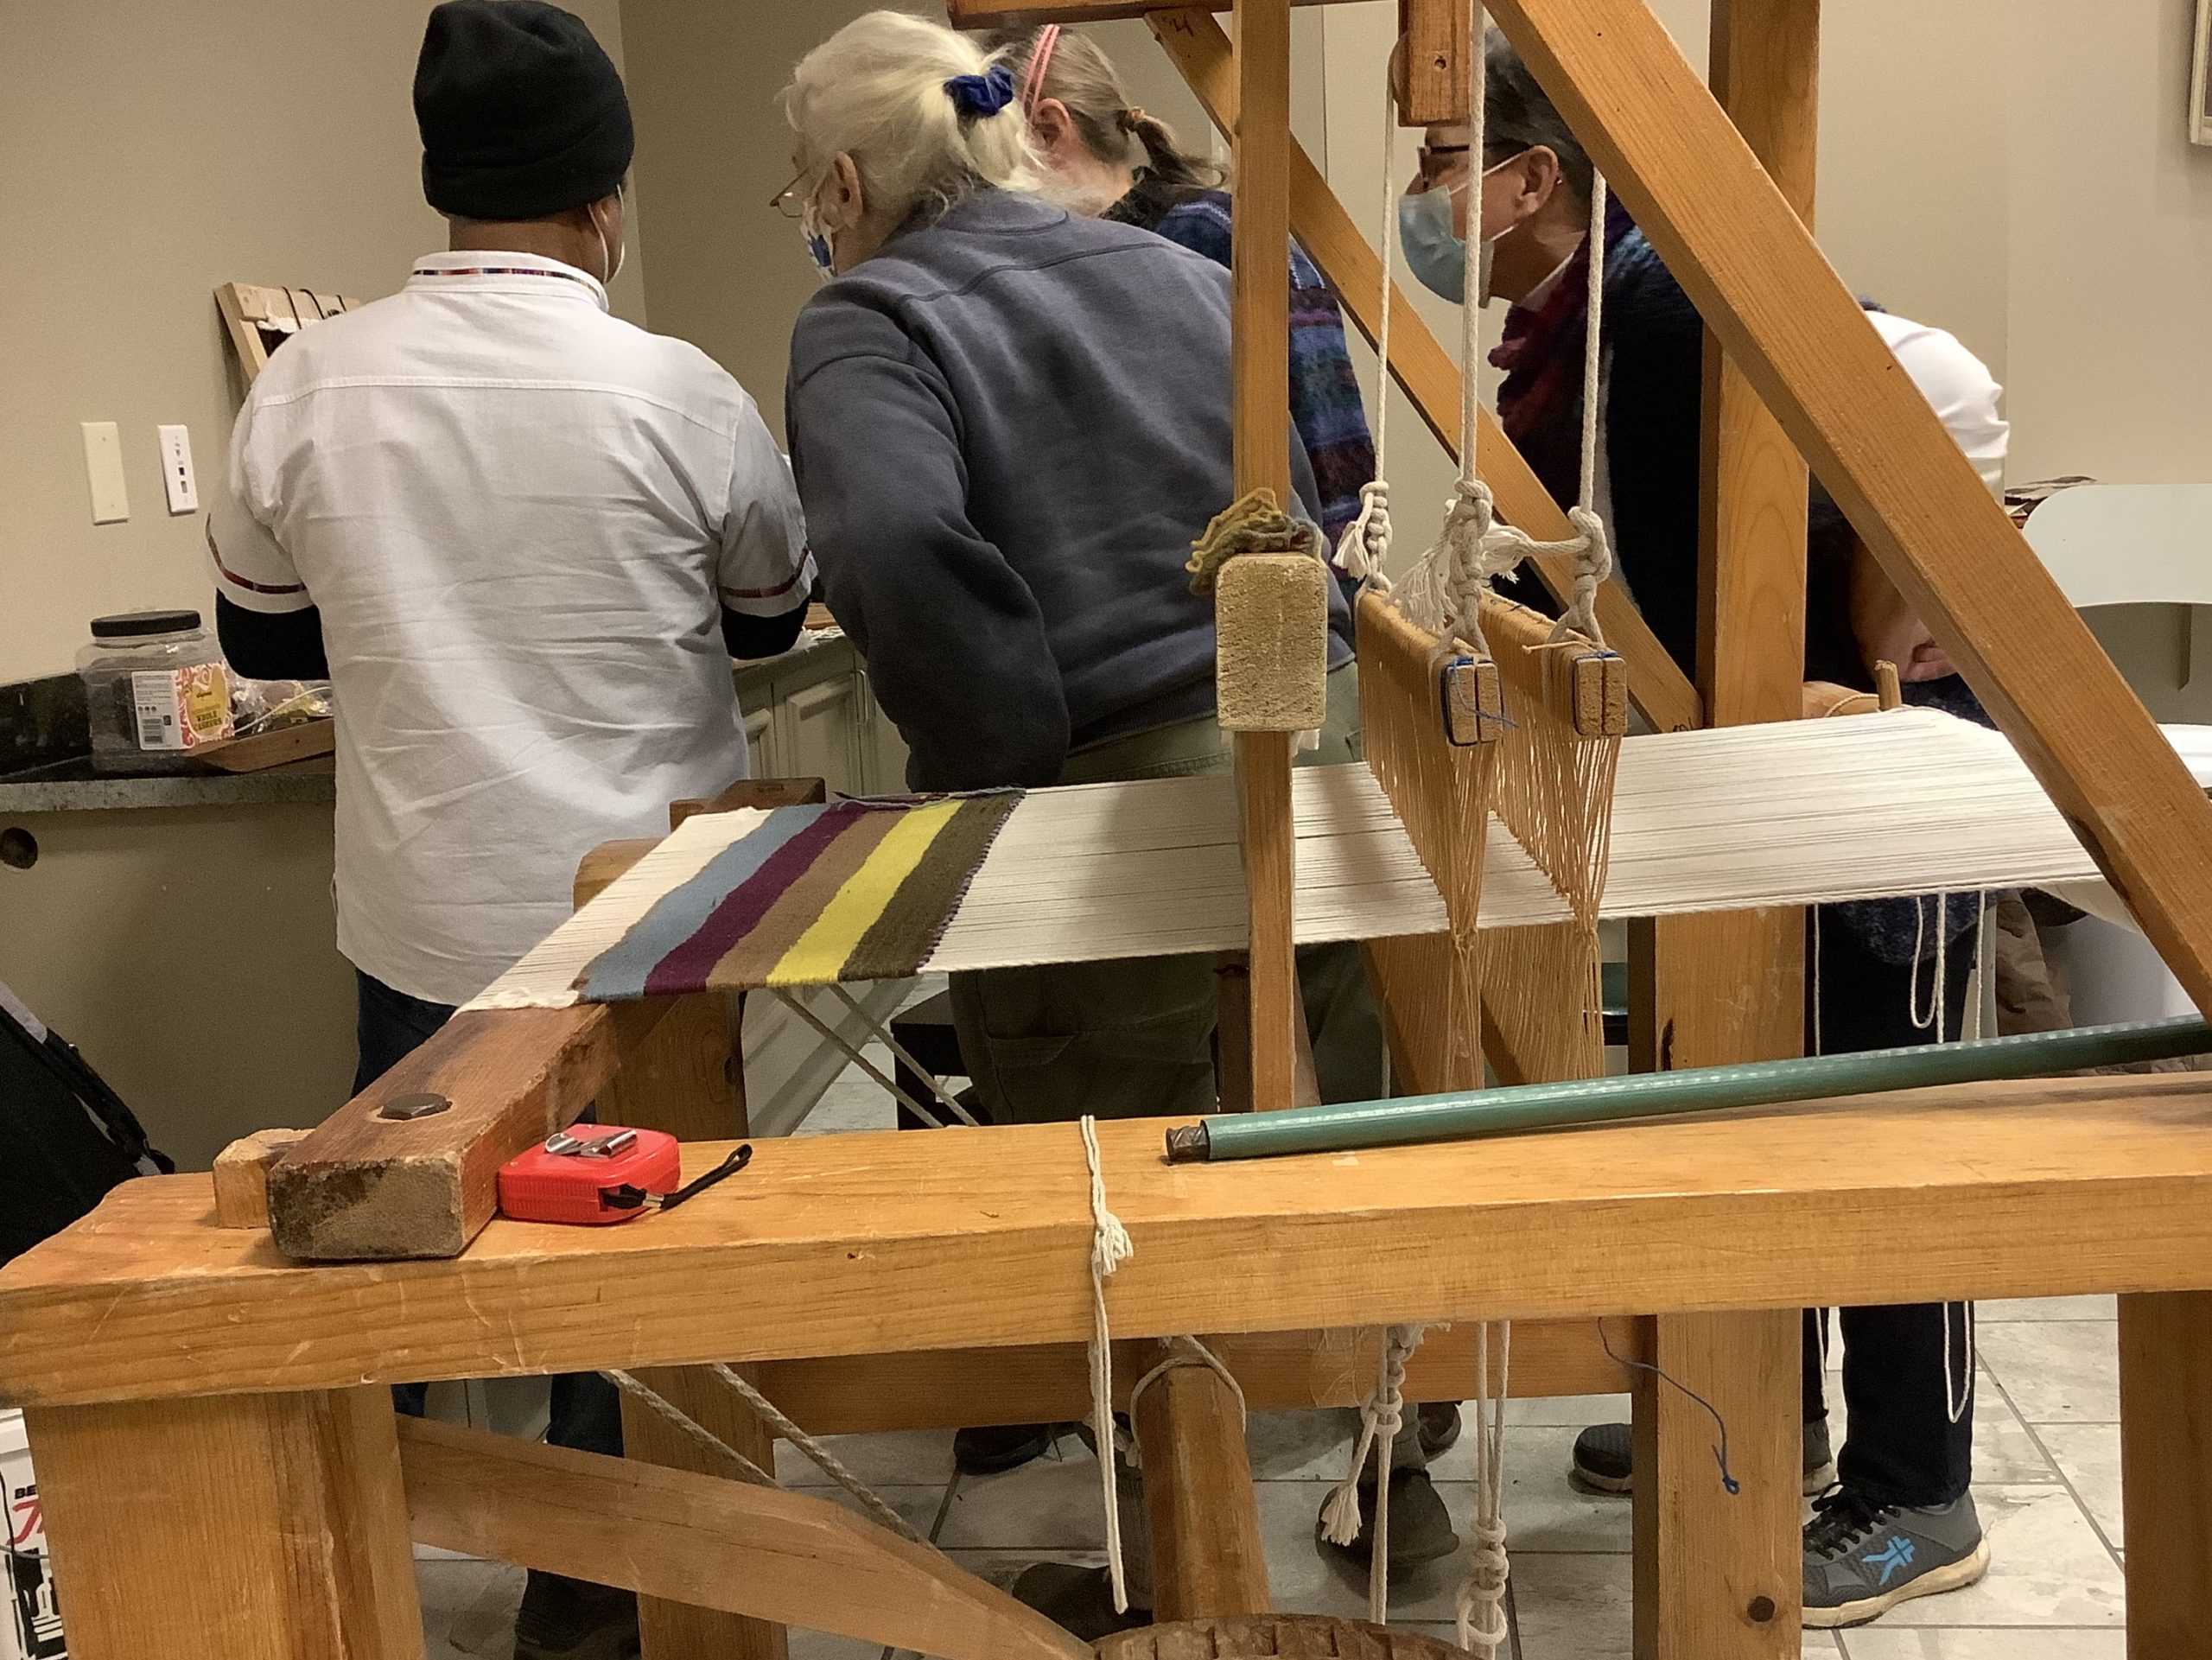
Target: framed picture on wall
2200	78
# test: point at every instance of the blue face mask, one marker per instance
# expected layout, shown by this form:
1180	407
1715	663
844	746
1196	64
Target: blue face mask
1435	251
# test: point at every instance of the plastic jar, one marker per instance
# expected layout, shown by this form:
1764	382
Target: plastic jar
157	688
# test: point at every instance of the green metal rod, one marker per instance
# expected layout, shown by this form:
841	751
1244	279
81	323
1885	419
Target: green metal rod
1659	1094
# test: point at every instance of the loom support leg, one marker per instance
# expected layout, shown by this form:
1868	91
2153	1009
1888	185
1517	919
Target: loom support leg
1207	1560
682	1081
1718	1577
257	1527
2165	1454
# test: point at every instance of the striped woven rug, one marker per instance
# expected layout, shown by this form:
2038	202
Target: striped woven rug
857	890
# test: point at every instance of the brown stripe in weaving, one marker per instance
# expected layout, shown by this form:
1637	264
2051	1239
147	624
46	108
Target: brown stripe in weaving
899	941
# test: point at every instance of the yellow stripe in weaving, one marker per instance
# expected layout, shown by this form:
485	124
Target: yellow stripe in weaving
815	958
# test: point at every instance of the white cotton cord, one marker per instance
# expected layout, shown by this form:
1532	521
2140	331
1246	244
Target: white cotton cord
1189	1351
1480	1606
821	1458
1957	1408
1381	1417
1936	1001
1979	995
1365	547
1470	282
691	1428
1109	1249
1593	346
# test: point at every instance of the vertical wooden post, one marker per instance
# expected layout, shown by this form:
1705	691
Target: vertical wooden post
683	1081
1260	340
1719	1577
1198	1493
257	1527
2165	1455
1723	988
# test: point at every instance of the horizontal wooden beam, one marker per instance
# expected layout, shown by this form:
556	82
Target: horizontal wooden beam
363	1185
709	1542
1022	14
1278	1372
879	1243
1656	683
1787	320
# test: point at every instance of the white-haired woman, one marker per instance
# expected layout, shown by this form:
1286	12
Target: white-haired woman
1008	423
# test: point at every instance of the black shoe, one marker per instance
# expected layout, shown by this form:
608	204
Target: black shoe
1438	1424
1080	1600
1863	1558
573	1619
1421	1528
1604	1463
996	1449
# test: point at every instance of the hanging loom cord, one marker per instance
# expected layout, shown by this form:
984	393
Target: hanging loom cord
1381	1415
1365	547
1110	1247
1480	1606
1254	523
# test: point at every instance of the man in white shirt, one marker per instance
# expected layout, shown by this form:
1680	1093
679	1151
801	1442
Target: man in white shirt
525	537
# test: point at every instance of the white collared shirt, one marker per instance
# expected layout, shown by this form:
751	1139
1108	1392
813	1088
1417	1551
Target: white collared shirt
517	514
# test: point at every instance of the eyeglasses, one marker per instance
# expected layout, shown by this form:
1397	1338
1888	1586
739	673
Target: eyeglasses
789	201
1438	161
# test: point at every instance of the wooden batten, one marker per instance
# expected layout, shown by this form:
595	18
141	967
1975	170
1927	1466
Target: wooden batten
1433	62
241	1174
696	1541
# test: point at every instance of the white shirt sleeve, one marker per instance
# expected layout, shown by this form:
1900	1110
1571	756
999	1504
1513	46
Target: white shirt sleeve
765	569
1960	388
252	569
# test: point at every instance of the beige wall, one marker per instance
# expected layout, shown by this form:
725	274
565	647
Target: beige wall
153	151
728	272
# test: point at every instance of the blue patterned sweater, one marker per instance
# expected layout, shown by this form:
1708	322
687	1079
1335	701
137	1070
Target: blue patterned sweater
1325	402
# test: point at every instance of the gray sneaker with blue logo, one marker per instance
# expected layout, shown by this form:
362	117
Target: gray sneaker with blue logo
1863	1558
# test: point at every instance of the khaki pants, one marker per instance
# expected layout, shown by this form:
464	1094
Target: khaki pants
1133	1037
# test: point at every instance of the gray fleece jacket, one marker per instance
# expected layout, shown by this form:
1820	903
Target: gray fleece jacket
1008	427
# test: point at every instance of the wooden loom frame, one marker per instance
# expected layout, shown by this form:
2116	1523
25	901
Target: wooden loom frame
303	1453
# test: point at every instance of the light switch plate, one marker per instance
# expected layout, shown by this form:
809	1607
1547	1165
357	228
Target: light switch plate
103	470
177	470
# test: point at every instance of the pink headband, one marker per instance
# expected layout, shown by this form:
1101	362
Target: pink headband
1032	83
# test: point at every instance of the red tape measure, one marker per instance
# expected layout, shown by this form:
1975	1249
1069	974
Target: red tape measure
603	1174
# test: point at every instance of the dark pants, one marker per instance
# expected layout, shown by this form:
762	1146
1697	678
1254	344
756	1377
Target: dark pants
585	1408
1902	1446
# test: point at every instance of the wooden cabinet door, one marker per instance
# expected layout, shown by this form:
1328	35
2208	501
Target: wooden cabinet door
819	735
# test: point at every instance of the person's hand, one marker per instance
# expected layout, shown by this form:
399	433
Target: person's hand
1887	629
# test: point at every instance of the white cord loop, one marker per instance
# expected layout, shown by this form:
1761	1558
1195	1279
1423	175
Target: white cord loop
1109	1249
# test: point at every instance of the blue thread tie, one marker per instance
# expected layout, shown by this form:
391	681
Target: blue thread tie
981	95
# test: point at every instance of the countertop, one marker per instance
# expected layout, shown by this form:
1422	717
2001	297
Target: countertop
73	786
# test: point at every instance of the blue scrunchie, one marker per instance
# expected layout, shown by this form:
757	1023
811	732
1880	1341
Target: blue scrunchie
984	94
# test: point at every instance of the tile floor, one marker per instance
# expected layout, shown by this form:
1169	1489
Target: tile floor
2047	1459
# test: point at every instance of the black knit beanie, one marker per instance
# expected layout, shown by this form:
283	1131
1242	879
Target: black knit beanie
522	115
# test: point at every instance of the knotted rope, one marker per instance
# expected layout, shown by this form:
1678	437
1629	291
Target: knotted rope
1381	1415
1481	1602
1445	591
1365	547
1109	1249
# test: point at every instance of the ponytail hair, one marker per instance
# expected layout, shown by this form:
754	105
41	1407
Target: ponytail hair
1062	64
919	107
